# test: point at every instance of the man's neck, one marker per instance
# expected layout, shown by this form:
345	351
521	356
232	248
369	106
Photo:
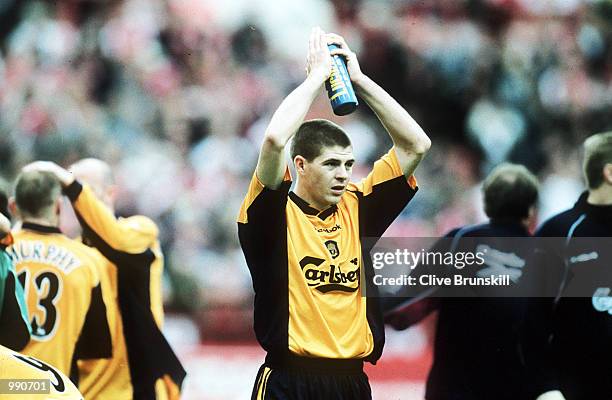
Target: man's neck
304	195
602	196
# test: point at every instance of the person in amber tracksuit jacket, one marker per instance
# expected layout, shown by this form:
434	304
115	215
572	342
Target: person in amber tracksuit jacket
144	365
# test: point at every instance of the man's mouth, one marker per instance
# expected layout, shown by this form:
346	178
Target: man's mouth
338	189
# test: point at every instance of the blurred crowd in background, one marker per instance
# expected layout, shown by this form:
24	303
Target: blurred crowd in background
176	95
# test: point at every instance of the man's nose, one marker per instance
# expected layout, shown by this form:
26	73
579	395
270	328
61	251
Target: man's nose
341	173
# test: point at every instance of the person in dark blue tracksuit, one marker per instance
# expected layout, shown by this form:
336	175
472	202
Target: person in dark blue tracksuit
568	346
476	349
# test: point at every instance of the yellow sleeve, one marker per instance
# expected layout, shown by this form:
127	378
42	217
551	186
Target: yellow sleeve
383	195
385	169
130	235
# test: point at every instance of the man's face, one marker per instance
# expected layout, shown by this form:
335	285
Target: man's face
325	178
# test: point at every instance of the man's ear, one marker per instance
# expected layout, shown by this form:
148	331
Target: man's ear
12	205
300	164
532	219
58	205
111	193
607	173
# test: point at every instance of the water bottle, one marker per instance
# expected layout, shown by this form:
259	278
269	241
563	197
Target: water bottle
339	88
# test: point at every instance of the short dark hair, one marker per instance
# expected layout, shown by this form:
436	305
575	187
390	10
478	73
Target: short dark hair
597	153
312	136
509	191
36	192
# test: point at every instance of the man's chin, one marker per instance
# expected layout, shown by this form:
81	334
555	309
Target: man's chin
333	199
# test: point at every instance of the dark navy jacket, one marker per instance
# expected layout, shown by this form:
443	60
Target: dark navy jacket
568	345
477	351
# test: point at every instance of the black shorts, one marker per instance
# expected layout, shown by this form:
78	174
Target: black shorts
301	378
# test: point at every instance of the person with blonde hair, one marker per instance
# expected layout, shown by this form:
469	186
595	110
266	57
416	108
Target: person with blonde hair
143	366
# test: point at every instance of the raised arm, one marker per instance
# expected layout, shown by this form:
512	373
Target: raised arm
133	235
411	142
290	114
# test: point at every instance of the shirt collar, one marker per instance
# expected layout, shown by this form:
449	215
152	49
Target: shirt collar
602	212
40	228
511	225
309	210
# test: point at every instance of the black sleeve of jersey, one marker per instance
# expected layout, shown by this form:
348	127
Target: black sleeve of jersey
95	338
73	190
380	208
14	333
266	228
150	355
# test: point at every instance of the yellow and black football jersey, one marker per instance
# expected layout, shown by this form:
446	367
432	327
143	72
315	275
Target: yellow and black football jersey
144	365
16	367
62	289
307	266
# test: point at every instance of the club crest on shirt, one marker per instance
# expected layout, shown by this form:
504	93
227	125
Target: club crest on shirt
333	249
